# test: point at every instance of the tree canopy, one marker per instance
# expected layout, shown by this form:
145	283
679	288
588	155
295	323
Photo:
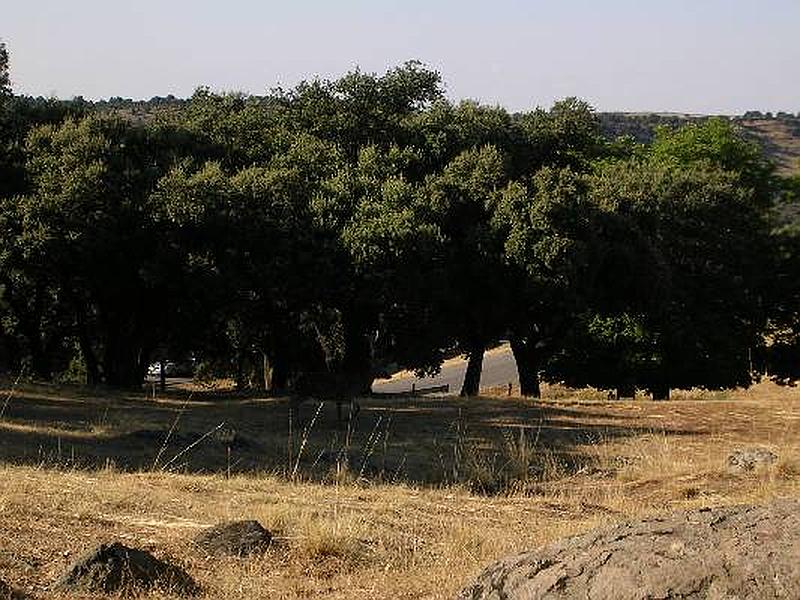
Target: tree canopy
314	237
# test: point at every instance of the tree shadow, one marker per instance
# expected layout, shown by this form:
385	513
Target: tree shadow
418	440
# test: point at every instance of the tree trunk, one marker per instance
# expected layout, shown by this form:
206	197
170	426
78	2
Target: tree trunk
90	360
162	374
122	361
239	376
267	371
527	368
40	361
472	377
89	357
626	389
9	353
660	391
143	363
121	372
30	327
357	361
279	379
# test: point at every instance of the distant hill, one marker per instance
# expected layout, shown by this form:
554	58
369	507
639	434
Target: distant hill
779	134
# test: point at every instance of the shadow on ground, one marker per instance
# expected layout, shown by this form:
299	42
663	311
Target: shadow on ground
417	440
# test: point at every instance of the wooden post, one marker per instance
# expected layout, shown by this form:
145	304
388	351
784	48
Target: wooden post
163	375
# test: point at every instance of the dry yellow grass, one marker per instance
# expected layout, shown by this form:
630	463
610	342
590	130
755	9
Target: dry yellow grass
558	467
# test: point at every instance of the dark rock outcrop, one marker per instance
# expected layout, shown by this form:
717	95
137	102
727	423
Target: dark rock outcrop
114	568
237	538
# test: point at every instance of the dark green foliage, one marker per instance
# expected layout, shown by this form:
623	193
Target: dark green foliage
360	109
305	240
84	238
18	115
5	78
550	245
263	259
716	142
690	308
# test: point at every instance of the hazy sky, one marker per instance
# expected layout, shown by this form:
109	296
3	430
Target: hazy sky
703	56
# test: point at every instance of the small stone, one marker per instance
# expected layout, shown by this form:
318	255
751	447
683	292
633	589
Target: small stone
6	593
115	568
236	538
749	459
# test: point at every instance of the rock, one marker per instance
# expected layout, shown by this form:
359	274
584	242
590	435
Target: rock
712	554
750	459
114	568
237	538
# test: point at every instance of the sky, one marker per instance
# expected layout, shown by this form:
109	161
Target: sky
695	56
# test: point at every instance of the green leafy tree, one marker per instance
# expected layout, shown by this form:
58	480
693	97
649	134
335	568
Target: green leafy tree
89	221
360	109
444	130
706	243
567	135
548	227
235	130
5	78
305	239
462	200
395	252
717	142
252	229
781	360
35	322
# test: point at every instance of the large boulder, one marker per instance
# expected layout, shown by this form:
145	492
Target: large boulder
236	538
117	569
713	554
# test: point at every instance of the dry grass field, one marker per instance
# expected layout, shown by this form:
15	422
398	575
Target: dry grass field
408	499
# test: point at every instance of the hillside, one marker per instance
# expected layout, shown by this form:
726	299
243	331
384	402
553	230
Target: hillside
778	135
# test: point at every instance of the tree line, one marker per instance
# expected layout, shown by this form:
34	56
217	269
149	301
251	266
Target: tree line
308	239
